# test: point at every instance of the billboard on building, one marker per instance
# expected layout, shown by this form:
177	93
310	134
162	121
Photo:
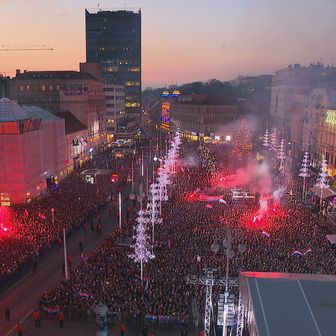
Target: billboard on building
165	115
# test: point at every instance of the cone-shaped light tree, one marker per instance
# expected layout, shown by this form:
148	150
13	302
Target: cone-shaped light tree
242	147
142	252
304	172
266	141
282	155
322	180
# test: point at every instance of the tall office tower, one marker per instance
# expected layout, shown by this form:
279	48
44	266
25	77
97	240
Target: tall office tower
113	39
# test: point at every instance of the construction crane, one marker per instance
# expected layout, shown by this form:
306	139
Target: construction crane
6	47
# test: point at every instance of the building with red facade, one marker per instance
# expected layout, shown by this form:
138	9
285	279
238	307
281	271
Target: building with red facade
32	150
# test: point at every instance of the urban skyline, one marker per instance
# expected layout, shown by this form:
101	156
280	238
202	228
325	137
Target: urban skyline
179	45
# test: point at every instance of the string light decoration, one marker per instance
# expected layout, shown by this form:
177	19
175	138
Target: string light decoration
282	154
274	142
142	253
153	208
242	147
322	180
304	172
266	142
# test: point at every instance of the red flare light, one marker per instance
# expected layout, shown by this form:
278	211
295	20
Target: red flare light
5	222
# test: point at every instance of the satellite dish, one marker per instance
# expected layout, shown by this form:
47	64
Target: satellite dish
132	196
230	253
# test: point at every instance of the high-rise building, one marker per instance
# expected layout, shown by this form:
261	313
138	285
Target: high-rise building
113	39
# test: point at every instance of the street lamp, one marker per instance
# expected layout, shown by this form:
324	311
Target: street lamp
230	253
138	197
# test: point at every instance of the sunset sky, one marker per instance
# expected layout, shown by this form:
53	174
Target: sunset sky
182	40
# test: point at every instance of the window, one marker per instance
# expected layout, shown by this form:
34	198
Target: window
132	104
28	87
109	89
109	105
131	83
43	87
21	88
51	88
110	97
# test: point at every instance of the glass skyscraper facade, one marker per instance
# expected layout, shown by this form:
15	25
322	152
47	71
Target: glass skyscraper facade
113	39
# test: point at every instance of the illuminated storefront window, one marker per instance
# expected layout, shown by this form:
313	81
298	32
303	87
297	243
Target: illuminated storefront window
132	104
131	83
331	117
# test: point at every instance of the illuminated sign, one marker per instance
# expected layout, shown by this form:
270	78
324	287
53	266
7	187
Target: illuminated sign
176	93
4	200
165	93
331	117
165	114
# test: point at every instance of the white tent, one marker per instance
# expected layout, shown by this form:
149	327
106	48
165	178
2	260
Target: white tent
326	192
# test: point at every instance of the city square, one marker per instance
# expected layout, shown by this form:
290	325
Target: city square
200	208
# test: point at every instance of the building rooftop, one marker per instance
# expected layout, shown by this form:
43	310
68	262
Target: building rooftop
10	110
292	304
207	100
72	124
54	75
104	11
36	112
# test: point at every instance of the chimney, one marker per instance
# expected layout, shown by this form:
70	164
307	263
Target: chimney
18	72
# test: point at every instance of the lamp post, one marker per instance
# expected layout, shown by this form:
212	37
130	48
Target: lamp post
65	257
132	174
52	215
142	162
229	253
120	211
138	197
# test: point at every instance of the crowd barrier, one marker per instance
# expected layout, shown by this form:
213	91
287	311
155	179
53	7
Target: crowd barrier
115	318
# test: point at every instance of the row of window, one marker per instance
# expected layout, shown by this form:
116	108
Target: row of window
38	98
328	138
115	105
43	87
218	120
331	159
110	89
115	97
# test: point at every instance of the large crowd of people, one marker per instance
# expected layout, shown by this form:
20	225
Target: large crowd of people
288	237
34	228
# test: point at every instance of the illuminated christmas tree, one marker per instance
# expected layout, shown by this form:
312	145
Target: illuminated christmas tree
242	147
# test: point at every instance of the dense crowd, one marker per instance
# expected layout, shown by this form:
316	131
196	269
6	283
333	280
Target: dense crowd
34	228
183	247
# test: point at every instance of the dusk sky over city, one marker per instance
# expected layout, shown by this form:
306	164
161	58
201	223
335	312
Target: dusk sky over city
182	41
168	168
